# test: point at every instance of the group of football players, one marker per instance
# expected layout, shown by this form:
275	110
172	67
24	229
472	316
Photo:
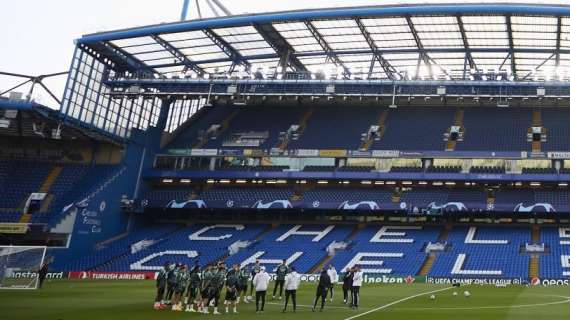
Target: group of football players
197	289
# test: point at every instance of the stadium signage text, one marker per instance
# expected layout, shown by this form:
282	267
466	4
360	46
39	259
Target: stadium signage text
111	275
32	275
393	279
479	281
549	282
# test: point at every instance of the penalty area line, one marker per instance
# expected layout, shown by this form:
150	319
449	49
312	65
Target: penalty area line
395	302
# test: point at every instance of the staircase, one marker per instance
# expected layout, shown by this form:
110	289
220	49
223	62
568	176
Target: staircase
44	188
457	121
533	266
25	218
428	263
430	259
380	123
536	122
224	126
324	261
396	197
46	203
302	125
534	258
50	179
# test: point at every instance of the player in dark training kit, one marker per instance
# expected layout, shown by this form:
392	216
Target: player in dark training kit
322	290
193	288
161	286
347	286
243	279
232	288
281	272
205	290
215	286
171	282
182	280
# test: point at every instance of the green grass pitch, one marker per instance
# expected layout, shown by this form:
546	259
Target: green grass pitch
108	300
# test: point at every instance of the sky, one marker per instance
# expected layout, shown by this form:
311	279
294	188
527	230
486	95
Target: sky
37	35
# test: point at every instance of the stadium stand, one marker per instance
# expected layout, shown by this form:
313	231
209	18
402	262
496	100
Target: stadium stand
251	149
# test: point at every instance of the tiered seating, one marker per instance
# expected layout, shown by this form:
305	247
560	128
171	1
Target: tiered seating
400	254
487	170
467	195
444	169
422	197
336	127
551	263
556	120
319	168
494	129
207	117
565	170
211	246
346	194
539	171
18	179
498	255
513	197
554	197
270	119
160	198
116	248
410	128
355	168
311	252
246	196
406	169
252	168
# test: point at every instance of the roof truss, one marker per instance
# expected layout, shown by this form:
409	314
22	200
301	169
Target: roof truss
331	54
179	55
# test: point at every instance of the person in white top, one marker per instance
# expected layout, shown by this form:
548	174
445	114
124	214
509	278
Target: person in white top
292	281
334	279
356	284
260	282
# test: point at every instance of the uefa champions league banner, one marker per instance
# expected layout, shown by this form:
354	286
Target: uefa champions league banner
368	205
475	280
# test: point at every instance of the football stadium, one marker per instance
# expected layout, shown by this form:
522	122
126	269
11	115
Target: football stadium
402	161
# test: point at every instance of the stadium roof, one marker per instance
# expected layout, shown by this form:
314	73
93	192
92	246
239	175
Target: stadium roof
33	120
524	41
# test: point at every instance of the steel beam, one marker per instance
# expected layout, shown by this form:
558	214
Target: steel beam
472	64
123	60
188	64
234	55
421	50
511	47
331	54
377	56
280	45
558	34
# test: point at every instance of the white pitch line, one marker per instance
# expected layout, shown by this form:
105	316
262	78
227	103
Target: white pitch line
516	306
290	305
395	302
